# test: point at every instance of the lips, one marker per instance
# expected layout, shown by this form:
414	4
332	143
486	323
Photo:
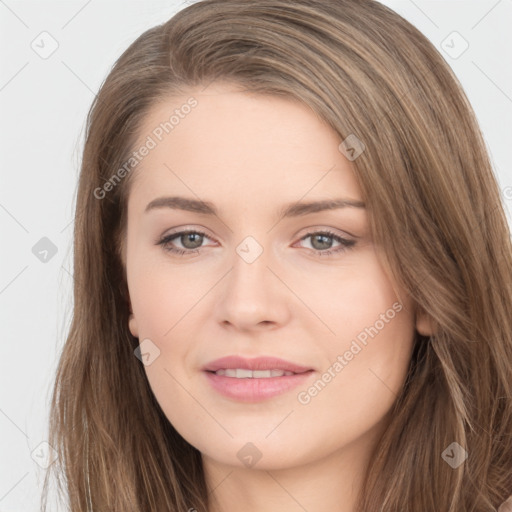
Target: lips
255	379
255	364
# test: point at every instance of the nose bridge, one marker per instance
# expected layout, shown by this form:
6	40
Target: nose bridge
250	265
250	295
250	250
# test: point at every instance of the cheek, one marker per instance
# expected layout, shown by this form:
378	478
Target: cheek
368	357
351	299
162	302
162	296
165	302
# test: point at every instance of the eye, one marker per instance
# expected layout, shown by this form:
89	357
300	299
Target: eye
191	241
322	241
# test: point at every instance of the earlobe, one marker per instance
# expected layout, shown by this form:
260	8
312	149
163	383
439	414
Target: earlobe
424	323
132	324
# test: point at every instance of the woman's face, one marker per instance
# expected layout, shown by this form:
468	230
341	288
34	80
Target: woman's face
256	283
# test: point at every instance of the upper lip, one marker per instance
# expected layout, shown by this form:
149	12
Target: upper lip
257	363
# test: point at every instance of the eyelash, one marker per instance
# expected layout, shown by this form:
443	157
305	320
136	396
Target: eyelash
345	243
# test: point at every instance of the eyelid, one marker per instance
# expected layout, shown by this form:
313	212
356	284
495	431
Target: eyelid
188	228
324	229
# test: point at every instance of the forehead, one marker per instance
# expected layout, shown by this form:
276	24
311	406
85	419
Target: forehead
232	146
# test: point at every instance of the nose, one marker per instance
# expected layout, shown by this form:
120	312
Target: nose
252	296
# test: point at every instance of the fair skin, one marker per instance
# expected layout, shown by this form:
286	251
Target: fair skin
250	155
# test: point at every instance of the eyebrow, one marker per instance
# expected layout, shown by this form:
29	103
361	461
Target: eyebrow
290	210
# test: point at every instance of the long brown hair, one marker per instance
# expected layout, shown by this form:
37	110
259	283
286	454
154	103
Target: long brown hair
435	210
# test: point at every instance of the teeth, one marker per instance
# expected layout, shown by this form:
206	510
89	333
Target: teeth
242	373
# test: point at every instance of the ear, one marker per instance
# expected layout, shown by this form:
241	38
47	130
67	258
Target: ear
424	323
132	325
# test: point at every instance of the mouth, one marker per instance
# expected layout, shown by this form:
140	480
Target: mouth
254	380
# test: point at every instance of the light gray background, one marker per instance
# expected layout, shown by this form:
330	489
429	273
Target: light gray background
44	102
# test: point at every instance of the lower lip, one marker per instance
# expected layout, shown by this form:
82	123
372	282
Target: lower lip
255	390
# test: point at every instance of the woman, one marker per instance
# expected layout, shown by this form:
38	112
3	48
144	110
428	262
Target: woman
293	274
